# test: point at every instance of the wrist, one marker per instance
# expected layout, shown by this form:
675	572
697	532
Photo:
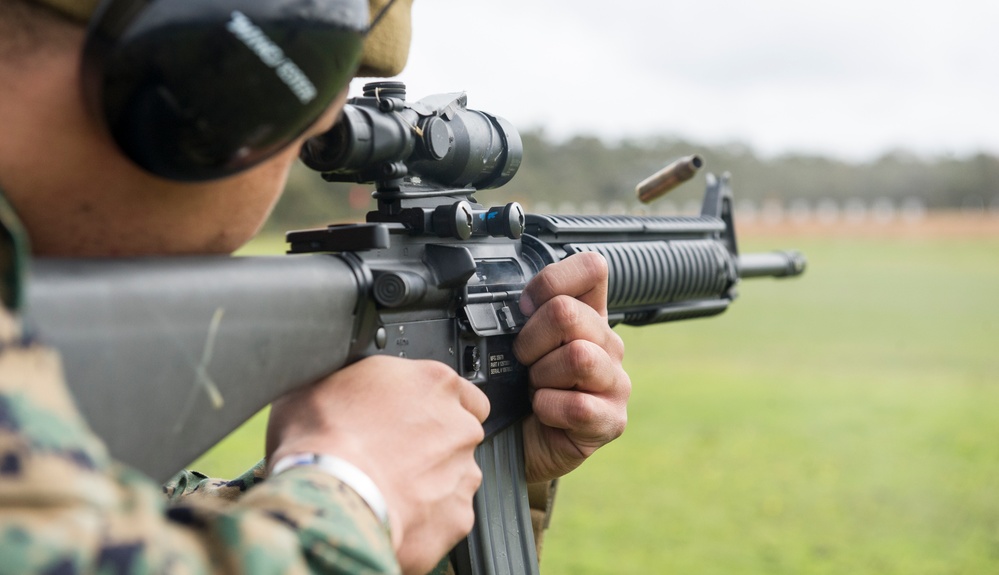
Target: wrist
345	472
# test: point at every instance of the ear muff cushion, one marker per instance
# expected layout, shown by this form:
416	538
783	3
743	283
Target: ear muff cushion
195	90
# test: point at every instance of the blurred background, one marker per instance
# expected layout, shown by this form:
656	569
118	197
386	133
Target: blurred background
844	421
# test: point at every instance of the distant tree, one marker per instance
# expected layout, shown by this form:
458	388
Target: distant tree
588	170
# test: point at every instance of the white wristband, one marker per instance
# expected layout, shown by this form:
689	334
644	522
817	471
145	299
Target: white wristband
343	470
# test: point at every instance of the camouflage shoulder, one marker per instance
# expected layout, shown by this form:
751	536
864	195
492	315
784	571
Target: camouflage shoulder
43	438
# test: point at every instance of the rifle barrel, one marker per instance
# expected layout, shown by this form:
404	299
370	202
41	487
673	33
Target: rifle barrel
778	264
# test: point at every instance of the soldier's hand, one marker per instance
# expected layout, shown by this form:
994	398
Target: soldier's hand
579	388
412	426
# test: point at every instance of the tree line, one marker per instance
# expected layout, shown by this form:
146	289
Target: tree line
587	170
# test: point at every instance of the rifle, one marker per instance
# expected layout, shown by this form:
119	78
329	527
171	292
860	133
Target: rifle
182	350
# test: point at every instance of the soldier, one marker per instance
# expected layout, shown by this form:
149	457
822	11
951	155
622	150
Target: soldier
344	494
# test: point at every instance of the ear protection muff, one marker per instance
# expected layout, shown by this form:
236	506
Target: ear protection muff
200	89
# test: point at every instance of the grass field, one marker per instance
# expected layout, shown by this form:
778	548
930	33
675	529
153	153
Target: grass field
843	422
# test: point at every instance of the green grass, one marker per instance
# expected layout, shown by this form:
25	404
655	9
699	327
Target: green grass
843	422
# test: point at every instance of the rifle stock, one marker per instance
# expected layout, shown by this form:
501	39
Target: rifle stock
176	353
166	356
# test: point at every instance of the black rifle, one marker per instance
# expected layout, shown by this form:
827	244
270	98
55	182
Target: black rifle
166	356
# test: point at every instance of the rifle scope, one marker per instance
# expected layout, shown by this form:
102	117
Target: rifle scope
382	138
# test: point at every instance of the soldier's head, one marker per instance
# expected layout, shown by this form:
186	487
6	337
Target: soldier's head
136	127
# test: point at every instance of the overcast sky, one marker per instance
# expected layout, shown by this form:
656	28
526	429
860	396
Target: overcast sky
850	78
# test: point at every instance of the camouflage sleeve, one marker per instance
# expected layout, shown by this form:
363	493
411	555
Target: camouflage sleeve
189	485
541	497
66	507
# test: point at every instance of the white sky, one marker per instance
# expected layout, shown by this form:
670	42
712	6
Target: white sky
850	78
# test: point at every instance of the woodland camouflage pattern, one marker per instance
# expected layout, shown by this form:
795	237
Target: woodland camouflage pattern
66	507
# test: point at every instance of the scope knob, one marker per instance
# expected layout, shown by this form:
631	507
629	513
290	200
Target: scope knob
453	221
385	89
506	221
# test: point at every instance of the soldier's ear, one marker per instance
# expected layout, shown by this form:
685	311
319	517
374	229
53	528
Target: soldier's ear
194	90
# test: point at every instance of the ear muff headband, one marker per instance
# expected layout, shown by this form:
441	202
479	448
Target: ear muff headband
200	89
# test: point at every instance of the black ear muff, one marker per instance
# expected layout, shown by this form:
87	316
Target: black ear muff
200	89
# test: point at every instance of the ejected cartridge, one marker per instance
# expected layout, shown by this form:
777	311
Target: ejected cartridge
668	178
